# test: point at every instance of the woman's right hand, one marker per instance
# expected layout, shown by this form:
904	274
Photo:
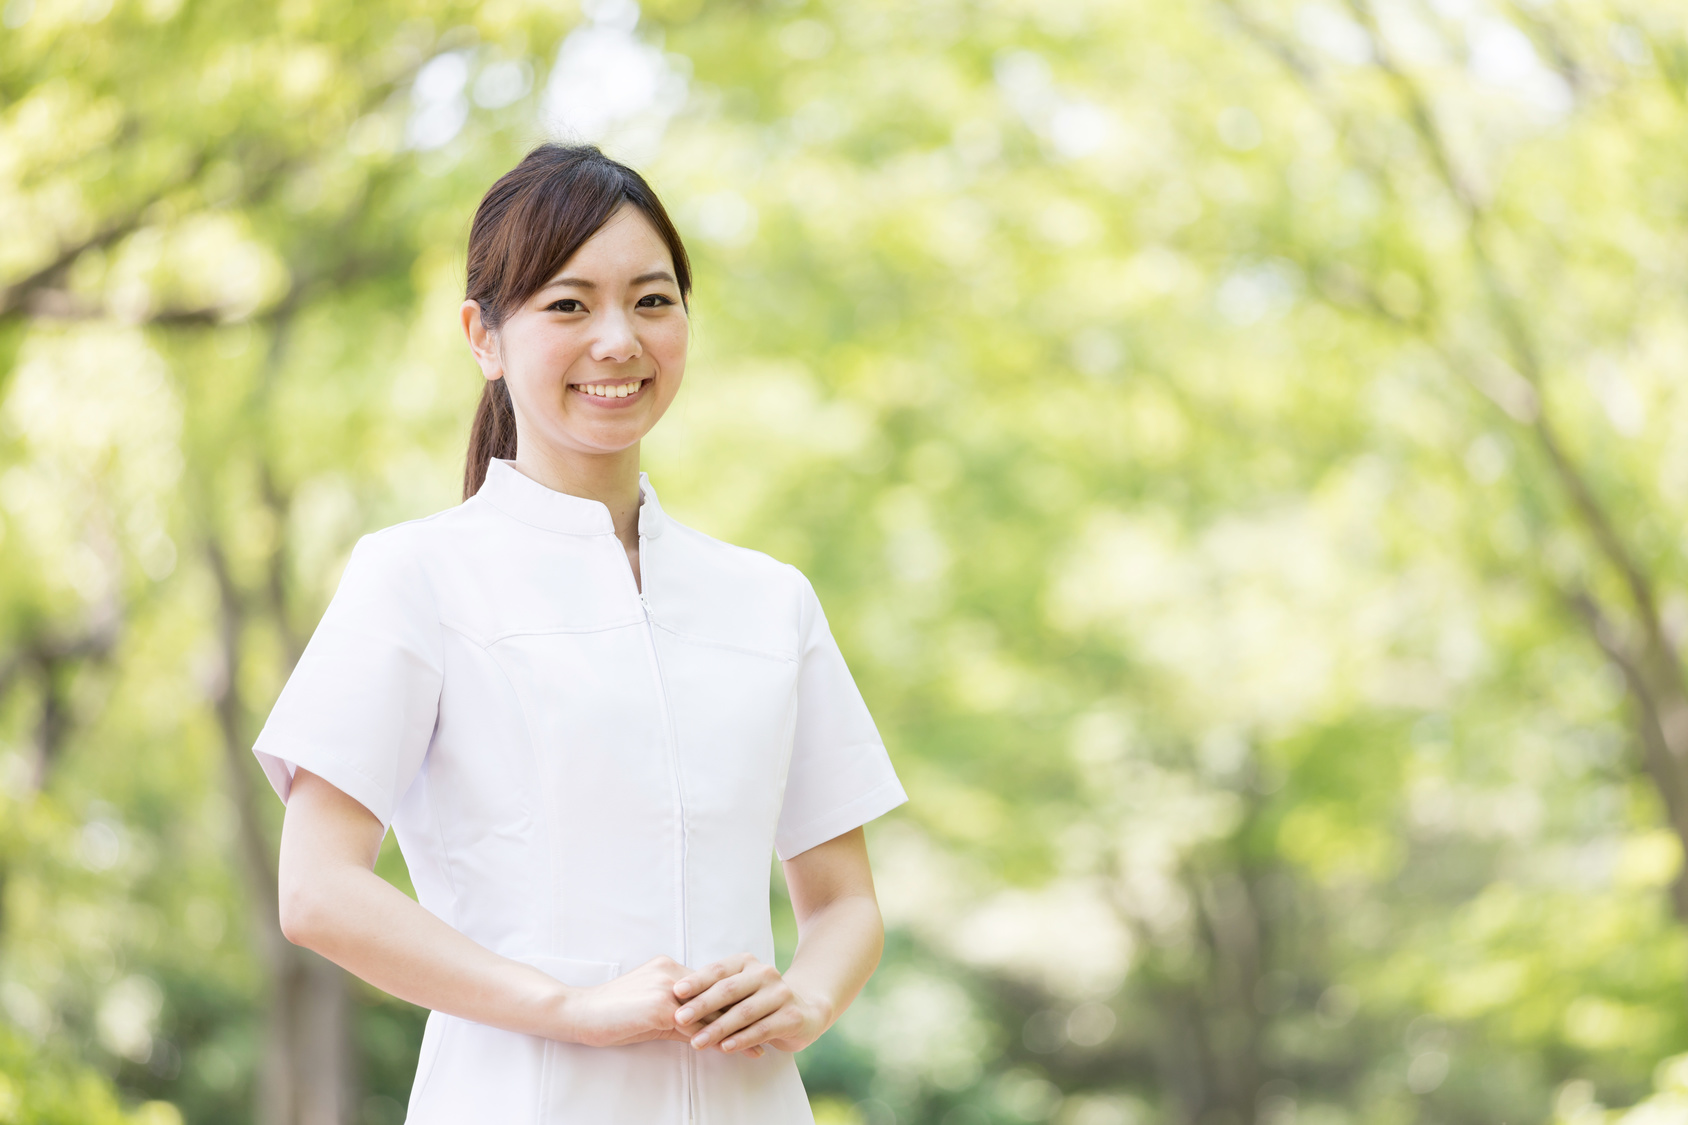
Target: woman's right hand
636	1007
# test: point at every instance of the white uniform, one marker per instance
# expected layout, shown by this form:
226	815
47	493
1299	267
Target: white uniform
581	777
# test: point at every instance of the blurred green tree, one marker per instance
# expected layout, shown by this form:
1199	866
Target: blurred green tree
1237	446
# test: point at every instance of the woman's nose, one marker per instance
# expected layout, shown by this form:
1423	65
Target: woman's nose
615	342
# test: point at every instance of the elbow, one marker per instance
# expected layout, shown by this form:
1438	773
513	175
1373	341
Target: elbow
878	939
300	914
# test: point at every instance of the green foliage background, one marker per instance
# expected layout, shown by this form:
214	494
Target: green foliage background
1241	447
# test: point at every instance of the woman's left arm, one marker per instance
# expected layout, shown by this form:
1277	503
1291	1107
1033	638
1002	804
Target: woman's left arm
742	1004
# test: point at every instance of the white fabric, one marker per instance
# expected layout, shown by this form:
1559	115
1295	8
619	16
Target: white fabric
582	778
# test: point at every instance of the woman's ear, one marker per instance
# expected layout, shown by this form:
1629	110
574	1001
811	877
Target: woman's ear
483	341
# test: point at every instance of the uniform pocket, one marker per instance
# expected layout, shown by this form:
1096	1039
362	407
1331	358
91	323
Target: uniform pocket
575	972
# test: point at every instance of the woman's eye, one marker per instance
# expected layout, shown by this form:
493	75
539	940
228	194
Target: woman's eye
657	300
566	305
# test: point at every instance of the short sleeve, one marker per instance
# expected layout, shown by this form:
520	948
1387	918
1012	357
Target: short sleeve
360	707
840	775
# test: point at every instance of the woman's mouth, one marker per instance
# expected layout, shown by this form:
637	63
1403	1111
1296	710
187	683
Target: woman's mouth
613	393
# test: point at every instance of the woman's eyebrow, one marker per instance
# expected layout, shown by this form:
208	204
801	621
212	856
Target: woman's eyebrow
582	283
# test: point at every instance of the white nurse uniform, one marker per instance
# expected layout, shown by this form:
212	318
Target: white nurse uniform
581	776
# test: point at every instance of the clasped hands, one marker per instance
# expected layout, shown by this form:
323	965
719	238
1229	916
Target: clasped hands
737	1004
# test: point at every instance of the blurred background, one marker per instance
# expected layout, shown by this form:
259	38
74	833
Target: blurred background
1241	445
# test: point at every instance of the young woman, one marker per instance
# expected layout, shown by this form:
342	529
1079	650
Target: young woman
588	724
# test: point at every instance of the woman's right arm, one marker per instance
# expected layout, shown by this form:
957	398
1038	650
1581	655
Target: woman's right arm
332	902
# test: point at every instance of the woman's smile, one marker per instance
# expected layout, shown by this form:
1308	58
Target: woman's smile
613	395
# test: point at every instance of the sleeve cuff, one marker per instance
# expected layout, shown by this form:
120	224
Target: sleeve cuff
350	781
876	802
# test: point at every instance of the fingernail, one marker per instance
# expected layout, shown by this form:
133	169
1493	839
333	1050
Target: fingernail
700	1040
682	988
685	1015
727	1045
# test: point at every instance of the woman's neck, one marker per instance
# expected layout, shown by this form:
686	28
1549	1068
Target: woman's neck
612	479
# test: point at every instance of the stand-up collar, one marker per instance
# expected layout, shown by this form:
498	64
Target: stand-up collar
518	495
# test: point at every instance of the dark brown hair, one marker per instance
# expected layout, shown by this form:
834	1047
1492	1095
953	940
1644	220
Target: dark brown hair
528	225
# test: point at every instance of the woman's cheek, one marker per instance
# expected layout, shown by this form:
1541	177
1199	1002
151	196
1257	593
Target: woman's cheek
560	355
670	349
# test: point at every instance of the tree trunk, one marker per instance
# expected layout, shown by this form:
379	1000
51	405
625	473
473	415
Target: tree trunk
1653	674
304	1075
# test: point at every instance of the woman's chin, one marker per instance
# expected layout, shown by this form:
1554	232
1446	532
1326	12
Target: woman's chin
597	436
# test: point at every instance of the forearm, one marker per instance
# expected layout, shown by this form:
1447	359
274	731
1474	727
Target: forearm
373	930
838	947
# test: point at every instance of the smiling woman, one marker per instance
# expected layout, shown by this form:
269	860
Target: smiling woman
588	725
621	302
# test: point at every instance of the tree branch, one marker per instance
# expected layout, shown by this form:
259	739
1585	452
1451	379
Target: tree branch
254	846
1281	49
1660	758
270	171
1651	662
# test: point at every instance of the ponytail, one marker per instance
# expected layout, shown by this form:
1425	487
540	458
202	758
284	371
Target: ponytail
493	434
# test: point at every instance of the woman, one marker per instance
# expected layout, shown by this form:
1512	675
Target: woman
588	725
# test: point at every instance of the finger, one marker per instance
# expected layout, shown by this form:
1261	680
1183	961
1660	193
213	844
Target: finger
719	997
777	1025
753	1052
693	983
692	1027
742	1014
708	1009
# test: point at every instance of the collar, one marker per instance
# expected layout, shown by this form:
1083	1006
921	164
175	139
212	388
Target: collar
521	497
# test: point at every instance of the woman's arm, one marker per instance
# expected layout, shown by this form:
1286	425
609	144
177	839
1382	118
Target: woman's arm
333	902
840	938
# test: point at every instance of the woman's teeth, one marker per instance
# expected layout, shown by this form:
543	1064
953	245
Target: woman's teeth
608	390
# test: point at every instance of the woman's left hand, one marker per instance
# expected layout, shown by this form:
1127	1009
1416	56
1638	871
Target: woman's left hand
740	1004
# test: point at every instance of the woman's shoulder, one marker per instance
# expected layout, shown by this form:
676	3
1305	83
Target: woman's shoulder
406	543
731	594
731	561
406	560
416	541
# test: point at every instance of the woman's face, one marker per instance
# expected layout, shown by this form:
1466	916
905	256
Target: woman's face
594	358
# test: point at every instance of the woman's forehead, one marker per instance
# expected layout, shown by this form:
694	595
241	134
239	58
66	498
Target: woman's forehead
625	249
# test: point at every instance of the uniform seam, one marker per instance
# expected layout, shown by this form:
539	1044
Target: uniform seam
568	630
446	861
788	739
434	811
538	815
395	527
767	654
564	629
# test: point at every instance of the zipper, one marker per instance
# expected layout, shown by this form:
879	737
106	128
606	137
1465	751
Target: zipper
688	1071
